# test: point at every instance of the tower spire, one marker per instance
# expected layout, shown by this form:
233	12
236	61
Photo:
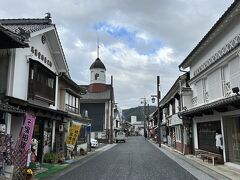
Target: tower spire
98	46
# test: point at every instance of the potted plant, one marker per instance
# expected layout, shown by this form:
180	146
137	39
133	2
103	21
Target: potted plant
61	157
54	158
47	157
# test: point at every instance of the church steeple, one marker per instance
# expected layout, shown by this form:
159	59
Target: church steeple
98	47
98	70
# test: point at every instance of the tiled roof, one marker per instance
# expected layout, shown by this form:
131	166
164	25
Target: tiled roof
210	106
10	39
97	96
27	28
28	25
11	109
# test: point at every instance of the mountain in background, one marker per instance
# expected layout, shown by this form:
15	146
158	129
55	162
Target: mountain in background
137	111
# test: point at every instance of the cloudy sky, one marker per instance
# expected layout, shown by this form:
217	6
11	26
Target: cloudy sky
139	39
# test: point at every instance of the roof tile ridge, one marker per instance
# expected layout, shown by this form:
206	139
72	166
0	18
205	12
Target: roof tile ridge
26	21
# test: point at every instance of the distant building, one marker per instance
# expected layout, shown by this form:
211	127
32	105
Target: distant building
133	119
99	101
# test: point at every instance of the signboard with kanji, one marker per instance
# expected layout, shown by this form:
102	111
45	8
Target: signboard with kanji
25	137
73	135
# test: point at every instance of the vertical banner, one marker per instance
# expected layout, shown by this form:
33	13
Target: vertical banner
24	141
25	137
73	135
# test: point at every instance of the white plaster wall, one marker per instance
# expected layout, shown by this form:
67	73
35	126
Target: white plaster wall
187	101
45	50
214	85
164	118
234	71
228	34
21	71
176	120
177	105
20	75
170	109
101	78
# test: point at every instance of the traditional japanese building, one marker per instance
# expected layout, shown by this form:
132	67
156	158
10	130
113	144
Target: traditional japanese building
175	130
32	83
214	80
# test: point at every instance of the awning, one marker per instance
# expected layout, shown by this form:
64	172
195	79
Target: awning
219	105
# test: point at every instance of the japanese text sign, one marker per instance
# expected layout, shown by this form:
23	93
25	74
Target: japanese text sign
25	137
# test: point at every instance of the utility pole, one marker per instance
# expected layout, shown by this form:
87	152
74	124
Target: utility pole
148	120
144	119
111	112
158	112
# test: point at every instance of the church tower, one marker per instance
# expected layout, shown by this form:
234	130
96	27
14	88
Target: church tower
98	72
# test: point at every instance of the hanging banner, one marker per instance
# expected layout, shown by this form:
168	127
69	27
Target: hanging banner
73	135
25	137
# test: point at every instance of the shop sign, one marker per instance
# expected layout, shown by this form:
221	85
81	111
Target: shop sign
25	137
40	56
73	135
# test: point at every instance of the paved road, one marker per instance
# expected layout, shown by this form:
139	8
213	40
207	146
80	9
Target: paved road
137	159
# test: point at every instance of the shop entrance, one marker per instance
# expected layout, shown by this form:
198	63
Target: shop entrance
39	136
206	135
232	142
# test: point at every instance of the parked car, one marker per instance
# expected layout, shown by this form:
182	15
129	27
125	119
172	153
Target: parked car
121	136
94	143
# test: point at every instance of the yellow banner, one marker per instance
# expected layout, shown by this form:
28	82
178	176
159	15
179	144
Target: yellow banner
73	135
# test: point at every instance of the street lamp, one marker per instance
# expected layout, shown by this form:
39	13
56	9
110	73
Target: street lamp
158	96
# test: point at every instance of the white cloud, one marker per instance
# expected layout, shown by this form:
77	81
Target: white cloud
143	36
79	44
178	25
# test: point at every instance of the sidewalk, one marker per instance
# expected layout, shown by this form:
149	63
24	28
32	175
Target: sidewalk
47	170
218	171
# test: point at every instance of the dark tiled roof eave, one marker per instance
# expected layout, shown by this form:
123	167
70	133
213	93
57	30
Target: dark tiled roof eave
10	109
13	40
212	105
27	28
29	25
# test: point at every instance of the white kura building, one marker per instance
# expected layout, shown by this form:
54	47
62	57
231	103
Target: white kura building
215	81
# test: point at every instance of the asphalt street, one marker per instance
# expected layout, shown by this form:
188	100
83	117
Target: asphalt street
137	159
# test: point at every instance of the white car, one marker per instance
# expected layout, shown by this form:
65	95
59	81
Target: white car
121	136
94	143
